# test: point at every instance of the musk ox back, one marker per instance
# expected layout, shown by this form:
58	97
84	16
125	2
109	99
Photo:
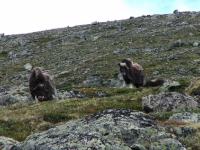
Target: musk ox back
41	85
132	73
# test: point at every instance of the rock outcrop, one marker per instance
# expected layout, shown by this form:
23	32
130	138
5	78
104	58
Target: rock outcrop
115	129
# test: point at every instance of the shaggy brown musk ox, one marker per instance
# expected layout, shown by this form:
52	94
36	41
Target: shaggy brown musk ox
41	85
134	74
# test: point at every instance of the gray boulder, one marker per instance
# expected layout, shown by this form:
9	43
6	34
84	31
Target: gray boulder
113	129
169	101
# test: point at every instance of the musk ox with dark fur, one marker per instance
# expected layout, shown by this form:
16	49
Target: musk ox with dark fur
134	74
41	85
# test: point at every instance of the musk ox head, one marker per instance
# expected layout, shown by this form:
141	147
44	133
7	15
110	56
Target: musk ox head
40	85
123	68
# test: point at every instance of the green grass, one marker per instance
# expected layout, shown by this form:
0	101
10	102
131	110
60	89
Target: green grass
56	117
161	116
3	54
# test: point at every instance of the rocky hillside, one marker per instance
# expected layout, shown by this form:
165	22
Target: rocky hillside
83	61
165	45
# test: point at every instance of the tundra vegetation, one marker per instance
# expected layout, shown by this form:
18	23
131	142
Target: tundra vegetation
166	46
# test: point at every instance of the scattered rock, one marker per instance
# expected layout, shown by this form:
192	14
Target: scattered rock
95	23
155	73
169	101
1	35
92	80
196	43
178	43
186	117
11	55
175	11
28	67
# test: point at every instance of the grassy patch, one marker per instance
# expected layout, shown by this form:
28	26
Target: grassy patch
171	123
161	116
64	87
17	129
56	117
3	54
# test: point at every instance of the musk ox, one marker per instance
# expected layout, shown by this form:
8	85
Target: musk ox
41	85
134	74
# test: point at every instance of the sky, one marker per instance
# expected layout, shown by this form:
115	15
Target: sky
27	16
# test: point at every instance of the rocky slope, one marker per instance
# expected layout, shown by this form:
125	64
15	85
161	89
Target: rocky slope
165	46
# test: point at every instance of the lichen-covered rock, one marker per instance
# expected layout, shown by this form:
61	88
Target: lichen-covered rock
8	142
115	129
13	99
186	117
169	101
168	85
181	132
167	144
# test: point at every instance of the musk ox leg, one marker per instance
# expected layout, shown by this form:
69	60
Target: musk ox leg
130	85
123	84
36	99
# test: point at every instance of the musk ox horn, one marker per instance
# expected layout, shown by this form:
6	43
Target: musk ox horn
123	65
